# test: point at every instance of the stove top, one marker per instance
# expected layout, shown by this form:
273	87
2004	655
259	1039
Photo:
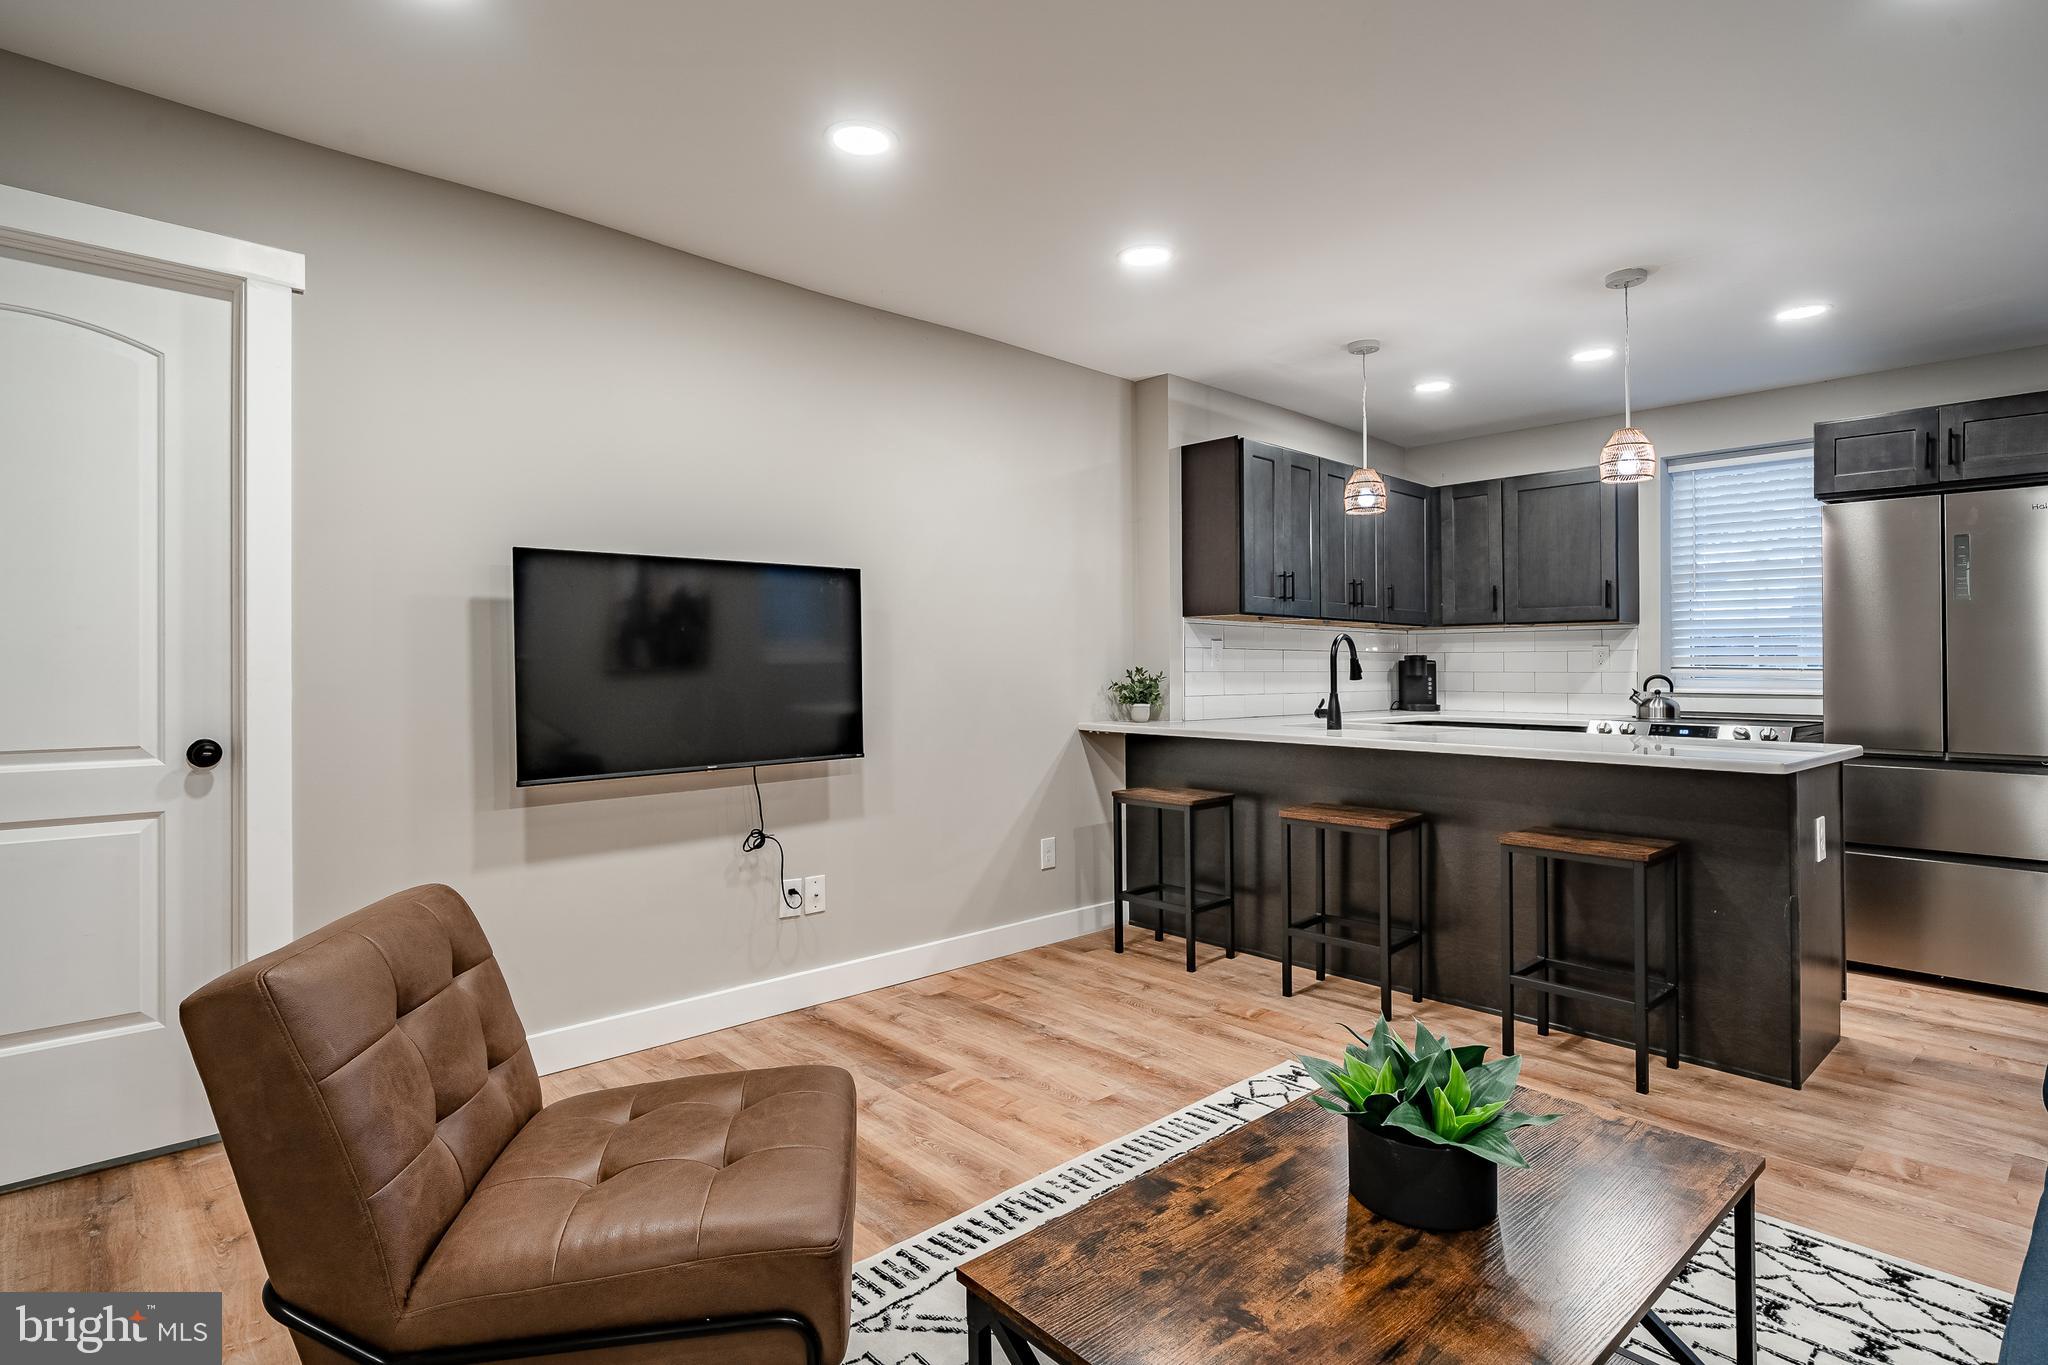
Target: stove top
1707	729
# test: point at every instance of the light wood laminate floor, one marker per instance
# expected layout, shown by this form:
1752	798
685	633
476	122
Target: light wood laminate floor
1923	1135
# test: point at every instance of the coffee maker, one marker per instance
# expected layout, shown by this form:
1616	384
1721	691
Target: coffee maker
1415	683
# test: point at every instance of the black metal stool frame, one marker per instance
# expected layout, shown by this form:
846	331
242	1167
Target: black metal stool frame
1154	895
1316	928
1538	973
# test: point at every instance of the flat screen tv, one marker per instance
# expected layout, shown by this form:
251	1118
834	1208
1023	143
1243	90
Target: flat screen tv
631	665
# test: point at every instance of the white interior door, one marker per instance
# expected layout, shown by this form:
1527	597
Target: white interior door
115	655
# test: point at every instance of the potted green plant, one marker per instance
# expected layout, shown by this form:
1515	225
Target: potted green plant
1137	692
1429	1125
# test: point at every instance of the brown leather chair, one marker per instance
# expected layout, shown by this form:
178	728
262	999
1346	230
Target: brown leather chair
415	1201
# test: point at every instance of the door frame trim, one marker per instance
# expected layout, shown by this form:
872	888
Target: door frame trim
259	282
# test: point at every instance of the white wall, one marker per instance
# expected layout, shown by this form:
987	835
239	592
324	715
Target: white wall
473	373
1770	417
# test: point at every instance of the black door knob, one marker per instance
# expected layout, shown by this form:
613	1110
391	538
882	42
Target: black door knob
203	753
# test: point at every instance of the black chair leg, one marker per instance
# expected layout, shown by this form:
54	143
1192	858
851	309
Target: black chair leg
1286	910
1386	925
1116	873
1230	879
1642	994
1159	852
1507	951
1546	886
1671	960
1188	864
1421	903
1322	908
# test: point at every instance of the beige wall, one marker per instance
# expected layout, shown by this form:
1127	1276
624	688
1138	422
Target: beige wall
1770	417
473	373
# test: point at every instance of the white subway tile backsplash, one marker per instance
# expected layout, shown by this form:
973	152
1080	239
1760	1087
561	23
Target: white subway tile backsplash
1235	669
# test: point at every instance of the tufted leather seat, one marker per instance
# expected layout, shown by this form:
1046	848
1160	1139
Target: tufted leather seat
380	1108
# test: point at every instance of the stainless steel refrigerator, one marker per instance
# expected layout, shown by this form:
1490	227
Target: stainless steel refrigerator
1936	651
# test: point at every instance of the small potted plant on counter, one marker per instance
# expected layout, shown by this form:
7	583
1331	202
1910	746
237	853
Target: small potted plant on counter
1137	692
1429	1126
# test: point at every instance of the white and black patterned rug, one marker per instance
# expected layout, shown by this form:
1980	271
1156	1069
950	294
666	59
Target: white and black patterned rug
1818	1300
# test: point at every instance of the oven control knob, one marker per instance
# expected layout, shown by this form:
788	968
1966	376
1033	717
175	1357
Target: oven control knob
1767	734
1605	728
1628	727
1741	732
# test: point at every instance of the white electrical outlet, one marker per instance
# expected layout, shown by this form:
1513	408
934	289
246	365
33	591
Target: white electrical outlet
1820	838
1046	858
814	895
792	902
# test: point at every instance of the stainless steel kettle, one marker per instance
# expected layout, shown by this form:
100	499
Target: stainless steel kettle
1655	703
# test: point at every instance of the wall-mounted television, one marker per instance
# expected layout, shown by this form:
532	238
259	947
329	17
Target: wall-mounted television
633	665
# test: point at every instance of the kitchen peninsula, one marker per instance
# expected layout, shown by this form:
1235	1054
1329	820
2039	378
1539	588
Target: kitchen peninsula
1761	931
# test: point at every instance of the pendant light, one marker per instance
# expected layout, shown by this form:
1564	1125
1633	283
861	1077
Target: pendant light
1365	492
1628	456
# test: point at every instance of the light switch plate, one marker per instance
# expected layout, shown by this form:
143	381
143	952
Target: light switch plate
814	895
1820	838
1047	857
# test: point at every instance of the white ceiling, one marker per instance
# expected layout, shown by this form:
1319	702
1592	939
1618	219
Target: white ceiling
1452	176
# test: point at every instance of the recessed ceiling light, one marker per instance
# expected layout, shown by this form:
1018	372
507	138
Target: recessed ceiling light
1801	312
1145	256
1434	386
861	139
1592	354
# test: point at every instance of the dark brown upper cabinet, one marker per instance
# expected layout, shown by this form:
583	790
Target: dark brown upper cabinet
1468	554
1248	529
1568	548
1995	438
1404	533
1876	454
1347	552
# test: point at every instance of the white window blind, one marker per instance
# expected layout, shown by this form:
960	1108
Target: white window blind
1743	539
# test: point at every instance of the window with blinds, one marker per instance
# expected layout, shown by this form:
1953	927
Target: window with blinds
1743	584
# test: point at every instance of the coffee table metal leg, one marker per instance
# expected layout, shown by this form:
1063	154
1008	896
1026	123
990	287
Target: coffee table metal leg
980	1332
985	1331
1745	1278
1745	1295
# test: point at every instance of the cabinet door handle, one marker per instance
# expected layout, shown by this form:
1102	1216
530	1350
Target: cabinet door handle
1496	599
1955	447
1607	592
1390	597
1931	467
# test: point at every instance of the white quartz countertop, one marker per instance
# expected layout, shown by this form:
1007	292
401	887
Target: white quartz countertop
1397	730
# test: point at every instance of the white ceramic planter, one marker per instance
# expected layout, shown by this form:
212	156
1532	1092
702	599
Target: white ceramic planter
1141	712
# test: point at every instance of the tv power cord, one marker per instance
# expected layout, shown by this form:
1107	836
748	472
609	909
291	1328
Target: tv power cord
758	836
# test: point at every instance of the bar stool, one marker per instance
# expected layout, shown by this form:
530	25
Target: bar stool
1318	928
1582	981
1185	898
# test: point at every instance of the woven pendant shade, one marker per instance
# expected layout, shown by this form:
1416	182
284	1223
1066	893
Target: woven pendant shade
1365	493
1628	457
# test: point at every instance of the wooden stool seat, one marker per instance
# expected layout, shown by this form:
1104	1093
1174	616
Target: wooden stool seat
1618	848
1635	986
1179	798
1350	817
1186	898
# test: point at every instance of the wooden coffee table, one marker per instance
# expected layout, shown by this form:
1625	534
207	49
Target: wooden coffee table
1250	1249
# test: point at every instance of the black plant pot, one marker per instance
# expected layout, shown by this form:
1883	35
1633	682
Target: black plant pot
1421	1184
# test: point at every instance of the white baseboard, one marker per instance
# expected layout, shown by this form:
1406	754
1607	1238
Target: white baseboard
594	1040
